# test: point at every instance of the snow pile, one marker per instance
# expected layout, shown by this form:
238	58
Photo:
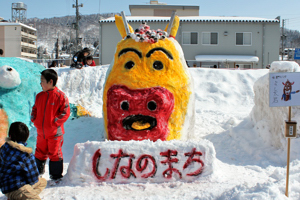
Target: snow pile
270	121
83	87
141	161
246	166
222	98
284	66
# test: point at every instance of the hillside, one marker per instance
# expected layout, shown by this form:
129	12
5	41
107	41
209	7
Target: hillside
49	29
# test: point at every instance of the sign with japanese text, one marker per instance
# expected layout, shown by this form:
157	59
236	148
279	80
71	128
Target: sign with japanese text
141	161
284	89
297	54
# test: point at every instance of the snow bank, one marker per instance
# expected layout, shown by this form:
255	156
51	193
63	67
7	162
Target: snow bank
246	166
83	87
270	121
141	161
284	66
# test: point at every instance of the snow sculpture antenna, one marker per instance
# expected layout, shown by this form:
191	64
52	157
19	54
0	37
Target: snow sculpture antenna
125	23
171	22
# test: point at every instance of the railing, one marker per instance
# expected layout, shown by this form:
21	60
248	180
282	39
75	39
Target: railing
60	62
221	65
24	34
25	44
47	62
28	55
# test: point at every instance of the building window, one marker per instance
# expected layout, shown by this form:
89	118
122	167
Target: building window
243	39
190	37
210	38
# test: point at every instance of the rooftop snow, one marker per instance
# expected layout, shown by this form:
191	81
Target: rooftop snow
192	19
16	24
226	58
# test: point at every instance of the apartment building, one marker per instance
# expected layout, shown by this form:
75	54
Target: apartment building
18	40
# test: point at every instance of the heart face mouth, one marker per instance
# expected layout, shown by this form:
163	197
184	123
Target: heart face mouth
138	114
139	122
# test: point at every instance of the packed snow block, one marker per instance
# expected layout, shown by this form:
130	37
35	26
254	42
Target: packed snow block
19	83
82	90
148	92
141	161
270	121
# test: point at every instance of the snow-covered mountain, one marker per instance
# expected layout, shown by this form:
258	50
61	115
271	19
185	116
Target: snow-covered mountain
51	29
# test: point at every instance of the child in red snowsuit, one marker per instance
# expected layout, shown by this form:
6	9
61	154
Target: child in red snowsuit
49	113
90	61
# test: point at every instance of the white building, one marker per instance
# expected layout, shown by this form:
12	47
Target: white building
18	40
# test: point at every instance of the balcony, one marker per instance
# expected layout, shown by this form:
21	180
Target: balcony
28	45
28	55
27	35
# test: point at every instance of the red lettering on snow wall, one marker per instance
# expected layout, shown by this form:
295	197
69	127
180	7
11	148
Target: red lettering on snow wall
143	162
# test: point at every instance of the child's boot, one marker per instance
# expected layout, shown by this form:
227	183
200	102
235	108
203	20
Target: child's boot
40	165
56	169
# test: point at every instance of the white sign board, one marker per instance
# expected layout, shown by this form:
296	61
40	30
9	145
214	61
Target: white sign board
284	89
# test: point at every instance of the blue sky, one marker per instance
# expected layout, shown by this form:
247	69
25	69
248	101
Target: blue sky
288	10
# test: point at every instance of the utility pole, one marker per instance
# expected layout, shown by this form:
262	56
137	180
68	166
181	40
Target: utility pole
68	44
57	46
282	39
77	22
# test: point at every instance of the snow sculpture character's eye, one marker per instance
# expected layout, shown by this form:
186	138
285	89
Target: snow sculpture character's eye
158	65
9	77
124	105
129	65
152	105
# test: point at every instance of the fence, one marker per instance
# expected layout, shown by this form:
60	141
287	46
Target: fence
47	62
60	62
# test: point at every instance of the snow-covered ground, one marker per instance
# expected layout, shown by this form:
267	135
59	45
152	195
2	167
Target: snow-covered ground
248	164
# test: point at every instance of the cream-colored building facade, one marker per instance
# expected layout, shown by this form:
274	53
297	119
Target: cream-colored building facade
207	41
18	40
156	8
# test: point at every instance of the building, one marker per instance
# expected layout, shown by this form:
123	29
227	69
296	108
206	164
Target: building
211	41
161	9
18	40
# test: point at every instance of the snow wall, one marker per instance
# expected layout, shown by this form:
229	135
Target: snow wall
270	121
141	161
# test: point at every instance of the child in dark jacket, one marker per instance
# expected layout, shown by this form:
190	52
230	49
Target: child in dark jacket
49	113
79	58
18	170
